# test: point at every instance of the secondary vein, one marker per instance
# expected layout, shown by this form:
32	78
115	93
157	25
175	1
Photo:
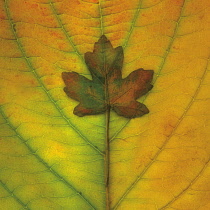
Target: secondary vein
165	142
136	15
14	196
28	62
162	64
45	164
65	31
186	188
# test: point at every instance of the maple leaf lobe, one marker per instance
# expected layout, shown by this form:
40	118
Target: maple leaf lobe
108	89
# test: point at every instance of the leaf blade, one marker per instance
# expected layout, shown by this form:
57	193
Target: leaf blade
179	59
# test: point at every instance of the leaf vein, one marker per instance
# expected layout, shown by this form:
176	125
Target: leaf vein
162	63
101	17
12	194
147	167
65	31
28	62
187	187
136	15
49	168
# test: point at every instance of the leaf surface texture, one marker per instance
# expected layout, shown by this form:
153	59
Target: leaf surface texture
52	159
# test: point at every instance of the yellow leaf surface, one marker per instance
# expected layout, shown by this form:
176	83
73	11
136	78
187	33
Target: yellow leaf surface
52	159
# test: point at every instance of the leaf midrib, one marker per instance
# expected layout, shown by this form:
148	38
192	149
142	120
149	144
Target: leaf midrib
160	69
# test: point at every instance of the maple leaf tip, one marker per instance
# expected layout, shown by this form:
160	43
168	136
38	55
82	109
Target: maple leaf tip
103	37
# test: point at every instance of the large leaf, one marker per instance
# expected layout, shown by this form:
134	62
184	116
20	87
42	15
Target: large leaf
52	159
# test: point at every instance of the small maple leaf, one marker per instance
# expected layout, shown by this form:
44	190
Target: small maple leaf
107	89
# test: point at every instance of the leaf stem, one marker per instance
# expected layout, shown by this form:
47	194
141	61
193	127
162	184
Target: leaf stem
107	157
107	138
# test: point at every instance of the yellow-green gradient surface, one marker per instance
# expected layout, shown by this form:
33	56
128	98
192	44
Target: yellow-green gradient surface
52	159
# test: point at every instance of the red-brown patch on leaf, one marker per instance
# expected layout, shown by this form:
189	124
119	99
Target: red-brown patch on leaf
108	89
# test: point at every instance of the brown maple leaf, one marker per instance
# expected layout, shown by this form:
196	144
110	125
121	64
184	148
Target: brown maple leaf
107	89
